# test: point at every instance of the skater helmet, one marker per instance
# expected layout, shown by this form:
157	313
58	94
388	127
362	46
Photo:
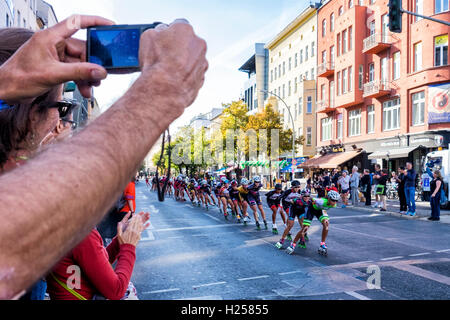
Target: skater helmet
333	195
305	193
192	180
204	182
226	181
295	184
223	179
244	182
257	179
278	186
234	183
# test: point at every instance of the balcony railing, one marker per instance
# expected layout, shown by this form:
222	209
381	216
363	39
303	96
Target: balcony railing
376	89
376	43
324	107
325	69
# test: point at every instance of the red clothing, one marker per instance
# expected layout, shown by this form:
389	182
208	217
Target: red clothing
130	194
97	274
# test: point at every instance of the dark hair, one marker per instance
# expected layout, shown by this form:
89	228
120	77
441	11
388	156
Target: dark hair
14	122
402	168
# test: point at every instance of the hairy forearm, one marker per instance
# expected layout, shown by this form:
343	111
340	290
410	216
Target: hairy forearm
54	201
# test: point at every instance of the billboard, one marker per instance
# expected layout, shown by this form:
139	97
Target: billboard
439	103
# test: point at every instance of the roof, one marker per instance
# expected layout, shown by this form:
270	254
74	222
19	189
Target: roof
330	160
249	66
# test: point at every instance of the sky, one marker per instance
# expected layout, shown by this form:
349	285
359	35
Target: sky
230	27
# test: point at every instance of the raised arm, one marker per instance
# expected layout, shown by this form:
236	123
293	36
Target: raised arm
53	202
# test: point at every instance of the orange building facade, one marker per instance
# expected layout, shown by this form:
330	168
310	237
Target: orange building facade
383	94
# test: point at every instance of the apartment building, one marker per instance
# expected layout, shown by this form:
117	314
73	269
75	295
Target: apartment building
28	14
382	97
292	78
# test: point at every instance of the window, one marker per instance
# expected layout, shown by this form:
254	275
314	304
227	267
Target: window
279	71
391	115
332	94
332	22
418	9
301	56
275	73
418	56
271	75
340	126
350	4
441	51
309	105
284	68
361	77
324	27
350	38
396	67
18	18
306	53
324	56
275	91
289	88
313	74
7	20
309	136
300	106
332	56
371	72
339	83
341	10
372	28
290	64
354	123
344	41
295	85
371	119
384	69
296	60
344	81
418	108
322	92
306	75
300	132
295	112
313	49
284	91
372	1
24	23
327	129
384	28
350	79
338	44
440	6
361	2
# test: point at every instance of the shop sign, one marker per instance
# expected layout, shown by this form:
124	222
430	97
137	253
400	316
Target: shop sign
439	103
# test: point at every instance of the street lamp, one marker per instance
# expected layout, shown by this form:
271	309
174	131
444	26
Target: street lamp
293	126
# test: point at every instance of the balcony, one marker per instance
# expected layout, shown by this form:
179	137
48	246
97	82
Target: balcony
376	43
324	107
376	89
325	69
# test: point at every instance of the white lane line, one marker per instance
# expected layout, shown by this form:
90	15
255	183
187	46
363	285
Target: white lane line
357	295
419	254
150	236
253	278
174	237
424	273
162	291
290	272
358	216
199	227
443	250
391	258
209	284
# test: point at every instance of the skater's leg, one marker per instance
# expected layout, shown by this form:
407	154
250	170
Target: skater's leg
325	228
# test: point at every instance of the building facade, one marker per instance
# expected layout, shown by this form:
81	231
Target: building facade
257	69
292	78
29	14
383	94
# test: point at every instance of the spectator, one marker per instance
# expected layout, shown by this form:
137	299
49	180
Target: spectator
344	183
410	189
326	179
41	63
400	180
376	176
381	188
335	177
97	278
354	184
435	198
366	187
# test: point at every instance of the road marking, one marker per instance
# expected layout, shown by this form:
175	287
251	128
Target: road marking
290	272
209	284
162	291
149	237
357	295
443	250
423	273
391	258
199	227
358	216
419	254
203	298
253	278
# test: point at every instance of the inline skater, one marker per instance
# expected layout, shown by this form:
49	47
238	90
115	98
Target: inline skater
154	183
254	201
317	208
295	188
206	193
235	199
147	183
224	197
274	203
243	194
191	191
298	209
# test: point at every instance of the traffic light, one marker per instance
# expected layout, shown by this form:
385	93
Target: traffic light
395	16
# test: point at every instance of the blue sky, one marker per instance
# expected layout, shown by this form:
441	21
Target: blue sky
230	28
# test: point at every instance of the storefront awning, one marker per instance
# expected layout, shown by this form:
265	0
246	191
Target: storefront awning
330	160
392	154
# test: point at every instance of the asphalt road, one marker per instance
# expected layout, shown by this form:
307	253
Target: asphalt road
190	253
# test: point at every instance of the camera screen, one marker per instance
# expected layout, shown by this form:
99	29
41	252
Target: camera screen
115	48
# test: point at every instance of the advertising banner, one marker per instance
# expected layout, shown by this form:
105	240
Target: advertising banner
439	103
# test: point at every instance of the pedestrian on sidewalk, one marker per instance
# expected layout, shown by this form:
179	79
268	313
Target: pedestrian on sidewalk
366	187
410	189
344	182
401	190
376	175
354	185
435	198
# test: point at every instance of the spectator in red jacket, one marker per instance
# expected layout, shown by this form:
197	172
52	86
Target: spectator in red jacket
130	196
87	272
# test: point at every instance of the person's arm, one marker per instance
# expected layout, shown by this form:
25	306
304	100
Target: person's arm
39	228
438	187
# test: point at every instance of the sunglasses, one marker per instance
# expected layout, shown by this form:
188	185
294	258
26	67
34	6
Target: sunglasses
65	107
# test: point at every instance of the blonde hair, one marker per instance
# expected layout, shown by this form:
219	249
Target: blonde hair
438	174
